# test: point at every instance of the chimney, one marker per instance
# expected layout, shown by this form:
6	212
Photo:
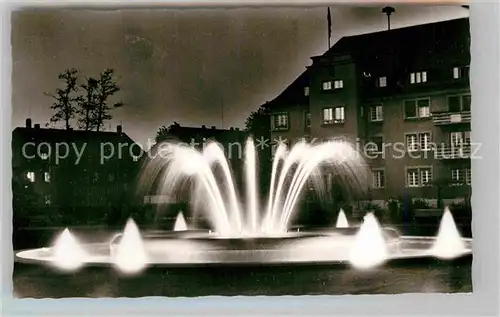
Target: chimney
28	123
119	129
231	129
213	127
203	127
37	126
236	129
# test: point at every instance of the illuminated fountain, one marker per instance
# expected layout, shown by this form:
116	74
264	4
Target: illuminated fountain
342	220
251	232
180	222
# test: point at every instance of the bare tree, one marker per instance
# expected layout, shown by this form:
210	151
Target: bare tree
64	101
87	104
106	87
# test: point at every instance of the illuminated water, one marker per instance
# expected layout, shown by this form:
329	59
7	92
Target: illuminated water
449	244
180	222
342	220
209	179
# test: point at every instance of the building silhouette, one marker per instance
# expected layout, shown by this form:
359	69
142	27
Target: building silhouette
403	96
72	176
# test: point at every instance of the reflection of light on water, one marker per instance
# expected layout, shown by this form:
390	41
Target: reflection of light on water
131	255
180	223
449	243
342	220
67	253
369	248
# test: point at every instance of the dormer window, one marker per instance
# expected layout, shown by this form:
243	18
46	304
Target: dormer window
418	77
382	82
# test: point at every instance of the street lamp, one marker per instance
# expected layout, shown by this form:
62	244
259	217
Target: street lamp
388	11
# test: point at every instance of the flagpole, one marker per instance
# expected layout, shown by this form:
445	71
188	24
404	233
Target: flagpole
329	21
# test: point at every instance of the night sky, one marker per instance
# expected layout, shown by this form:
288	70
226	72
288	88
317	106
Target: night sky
183	65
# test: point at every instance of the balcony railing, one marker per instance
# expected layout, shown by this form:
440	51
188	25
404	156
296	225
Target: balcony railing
446	118
453	152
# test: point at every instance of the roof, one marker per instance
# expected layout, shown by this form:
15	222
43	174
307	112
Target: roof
54	135
397	49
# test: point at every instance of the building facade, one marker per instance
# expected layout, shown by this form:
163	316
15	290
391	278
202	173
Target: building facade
72	174
403	97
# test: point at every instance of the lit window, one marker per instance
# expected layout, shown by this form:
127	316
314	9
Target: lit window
468	176
307	119
135	158
425	176
411	142
378	178
456	175
412	177
44	156
47	199
327	85
338	84
306	91
31	176
418	77
333	115
382	81
456	72
46	177
418	176
280	121
376	113
425	141
417	108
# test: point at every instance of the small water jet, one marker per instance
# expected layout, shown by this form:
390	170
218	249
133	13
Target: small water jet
130	256
449	243
67	253
180	222
342	220
369	248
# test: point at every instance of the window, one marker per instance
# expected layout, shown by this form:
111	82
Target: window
418	108
375	145
333	115
412	177
468	176
338	84
418	77
307	119
47	199
44	156
31	176
425	140
425	176
412	142
135	158
326	85
46	177
376	113
460	72
418	176
418	141
458	139
306	91
459	103
382	82
378	179
456	175
280	121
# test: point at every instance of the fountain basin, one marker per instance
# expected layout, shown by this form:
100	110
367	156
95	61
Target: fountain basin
203	248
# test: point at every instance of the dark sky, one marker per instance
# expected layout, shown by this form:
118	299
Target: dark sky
182	65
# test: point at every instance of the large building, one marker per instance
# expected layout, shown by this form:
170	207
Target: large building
403	95
72	175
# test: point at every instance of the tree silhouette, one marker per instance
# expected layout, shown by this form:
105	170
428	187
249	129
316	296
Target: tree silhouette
106	87
165	133
258	122
64	101
87	104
